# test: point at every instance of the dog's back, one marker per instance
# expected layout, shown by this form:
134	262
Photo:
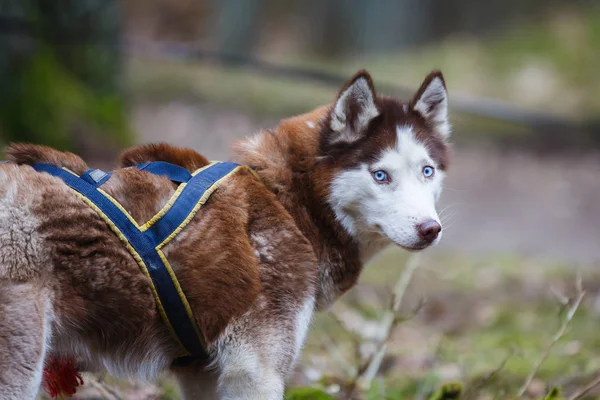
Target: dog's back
23	254
100	298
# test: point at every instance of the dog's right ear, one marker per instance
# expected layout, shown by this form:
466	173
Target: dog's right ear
354	108
431	101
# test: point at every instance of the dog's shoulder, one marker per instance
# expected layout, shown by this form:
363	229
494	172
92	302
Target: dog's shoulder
306	122
186	158
28	154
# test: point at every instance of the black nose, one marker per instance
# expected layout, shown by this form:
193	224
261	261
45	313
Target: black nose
429	230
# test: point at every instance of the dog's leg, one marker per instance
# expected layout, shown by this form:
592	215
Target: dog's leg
24	333
259	349
196	383
248	374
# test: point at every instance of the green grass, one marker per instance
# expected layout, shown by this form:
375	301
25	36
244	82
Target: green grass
479	312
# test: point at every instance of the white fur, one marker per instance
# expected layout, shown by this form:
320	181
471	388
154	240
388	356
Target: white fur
435	93
377	213
303	321
247	363
144	361
264	246
244	376
22	251
144	364
252	144
360	92
254	355
47	335
310	124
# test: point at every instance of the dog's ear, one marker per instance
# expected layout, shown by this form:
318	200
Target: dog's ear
431	101
354	108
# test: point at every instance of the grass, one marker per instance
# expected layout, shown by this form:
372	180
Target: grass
480	314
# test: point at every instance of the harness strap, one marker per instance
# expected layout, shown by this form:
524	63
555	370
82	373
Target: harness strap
173	172
145	242
95	177
193	195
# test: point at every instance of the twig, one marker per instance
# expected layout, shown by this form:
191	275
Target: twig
557	336
390	319
489	376
586	389
344	318
334	350
425	385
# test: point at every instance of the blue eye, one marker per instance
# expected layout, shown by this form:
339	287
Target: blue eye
428	171
381	176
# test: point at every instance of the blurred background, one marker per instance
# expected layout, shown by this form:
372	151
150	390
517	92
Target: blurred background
521	205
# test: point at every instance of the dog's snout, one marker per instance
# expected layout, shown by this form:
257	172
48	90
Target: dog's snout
429	230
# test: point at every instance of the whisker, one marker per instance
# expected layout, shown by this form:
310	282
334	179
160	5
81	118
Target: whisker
452	189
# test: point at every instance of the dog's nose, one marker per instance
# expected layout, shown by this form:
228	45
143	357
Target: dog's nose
429	230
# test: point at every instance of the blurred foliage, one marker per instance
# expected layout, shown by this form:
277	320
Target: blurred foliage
307	393
43	103
546	64
60	75
484	320
448	391
553	394
329	28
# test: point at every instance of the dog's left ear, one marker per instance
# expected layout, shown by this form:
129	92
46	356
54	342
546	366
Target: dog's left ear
431	101
354	108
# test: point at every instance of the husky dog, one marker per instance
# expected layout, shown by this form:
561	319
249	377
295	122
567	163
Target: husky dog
336	186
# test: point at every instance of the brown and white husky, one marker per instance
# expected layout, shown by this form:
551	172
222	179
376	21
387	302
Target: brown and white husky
336	186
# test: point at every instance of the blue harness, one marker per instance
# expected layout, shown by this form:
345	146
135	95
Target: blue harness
146	241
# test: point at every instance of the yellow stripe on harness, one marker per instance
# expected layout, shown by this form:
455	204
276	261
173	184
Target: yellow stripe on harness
146	241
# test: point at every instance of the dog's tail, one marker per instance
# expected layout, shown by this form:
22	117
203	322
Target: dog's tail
25	153
186	158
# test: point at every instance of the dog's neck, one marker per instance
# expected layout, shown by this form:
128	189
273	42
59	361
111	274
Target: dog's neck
287	160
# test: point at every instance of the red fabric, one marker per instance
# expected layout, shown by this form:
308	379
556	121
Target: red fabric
60	377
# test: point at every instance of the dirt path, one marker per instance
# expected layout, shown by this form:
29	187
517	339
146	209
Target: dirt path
502	203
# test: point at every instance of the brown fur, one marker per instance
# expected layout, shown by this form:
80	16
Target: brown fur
186	158
23	153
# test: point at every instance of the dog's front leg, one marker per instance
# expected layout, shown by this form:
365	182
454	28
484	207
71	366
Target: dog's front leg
258	350
239	378
250	377
197	383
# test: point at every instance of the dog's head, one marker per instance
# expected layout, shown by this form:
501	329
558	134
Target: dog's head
387	161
